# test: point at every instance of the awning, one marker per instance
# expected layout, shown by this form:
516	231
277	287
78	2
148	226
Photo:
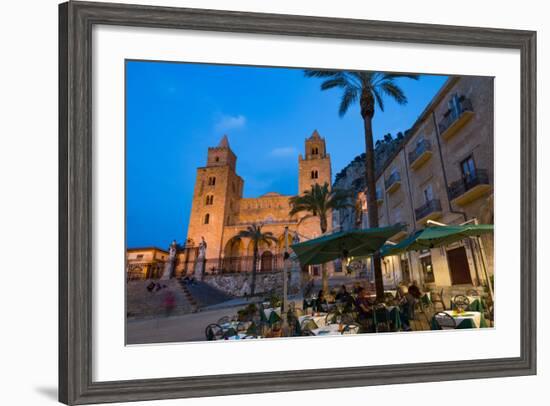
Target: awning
436	236
354	243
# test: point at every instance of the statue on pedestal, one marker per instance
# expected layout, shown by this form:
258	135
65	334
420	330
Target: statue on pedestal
200	263
170	265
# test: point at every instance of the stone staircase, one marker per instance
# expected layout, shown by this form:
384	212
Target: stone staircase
201	294
189	297
141	303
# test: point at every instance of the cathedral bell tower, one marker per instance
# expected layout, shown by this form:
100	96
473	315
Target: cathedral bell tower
315	166
217	189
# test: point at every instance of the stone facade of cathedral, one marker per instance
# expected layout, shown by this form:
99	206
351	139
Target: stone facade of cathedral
219	210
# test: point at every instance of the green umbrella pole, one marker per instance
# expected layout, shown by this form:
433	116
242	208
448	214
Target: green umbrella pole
474	255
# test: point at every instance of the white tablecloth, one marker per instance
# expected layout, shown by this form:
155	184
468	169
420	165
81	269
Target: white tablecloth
319	320
268	311
475	316
332	330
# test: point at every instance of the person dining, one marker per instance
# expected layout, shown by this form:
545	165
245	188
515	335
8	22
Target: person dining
321	302
363	306
343	294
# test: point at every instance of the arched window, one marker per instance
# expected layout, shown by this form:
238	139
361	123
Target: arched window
314	174
207	218
211	181
314	151
217	159
209	200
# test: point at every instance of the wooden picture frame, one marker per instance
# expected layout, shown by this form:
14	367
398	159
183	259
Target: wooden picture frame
76	20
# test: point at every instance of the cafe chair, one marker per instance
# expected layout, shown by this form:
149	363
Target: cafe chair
224	320
461	302
332	317
437	300
443	321
213	332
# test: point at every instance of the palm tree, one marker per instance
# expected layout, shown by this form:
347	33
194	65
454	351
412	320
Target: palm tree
367	88
257	236
319	202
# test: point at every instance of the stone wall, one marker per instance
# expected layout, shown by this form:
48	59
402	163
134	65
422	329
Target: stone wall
238	284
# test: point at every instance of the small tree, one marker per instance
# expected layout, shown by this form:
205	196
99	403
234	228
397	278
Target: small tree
257	236
319	202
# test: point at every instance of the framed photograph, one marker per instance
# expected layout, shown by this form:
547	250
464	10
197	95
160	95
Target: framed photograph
260	202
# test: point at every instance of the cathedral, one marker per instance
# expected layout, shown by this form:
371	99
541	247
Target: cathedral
219	210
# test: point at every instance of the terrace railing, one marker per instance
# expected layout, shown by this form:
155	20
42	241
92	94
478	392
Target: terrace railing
427	208
421	147
394	177
460	187
454	115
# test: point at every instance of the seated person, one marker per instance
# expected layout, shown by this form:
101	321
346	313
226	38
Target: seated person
414	290
411	298
363	305
342	294
321	302
402	290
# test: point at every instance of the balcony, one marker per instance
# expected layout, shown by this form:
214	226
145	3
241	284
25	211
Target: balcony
393	182
420	154
454	120
428	211
469	188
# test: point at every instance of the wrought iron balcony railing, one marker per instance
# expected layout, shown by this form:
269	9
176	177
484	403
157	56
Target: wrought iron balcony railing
430	206
460	187
394	178
454	115
421	148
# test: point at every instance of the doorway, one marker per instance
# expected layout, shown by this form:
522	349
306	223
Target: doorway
266	261
458	266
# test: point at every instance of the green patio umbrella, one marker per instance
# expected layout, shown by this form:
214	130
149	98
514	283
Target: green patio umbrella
436	236
354	243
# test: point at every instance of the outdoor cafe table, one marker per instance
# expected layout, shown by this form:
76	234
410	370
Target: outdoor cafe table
468	319
395	317
272	315
242	336
333	330
318	318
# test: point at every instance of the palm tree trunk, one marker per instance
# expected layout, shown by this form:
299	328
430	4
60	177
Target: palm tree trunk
371	201
254	262
324	273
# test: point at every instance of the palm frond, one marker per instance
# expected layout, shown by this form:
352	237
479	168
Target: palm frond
394	91
307	216
392	76
378	98
313	73
336	82
348	98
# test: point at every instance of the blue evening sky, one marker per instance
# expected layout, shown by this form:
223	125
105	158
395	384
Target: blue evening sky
175	111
